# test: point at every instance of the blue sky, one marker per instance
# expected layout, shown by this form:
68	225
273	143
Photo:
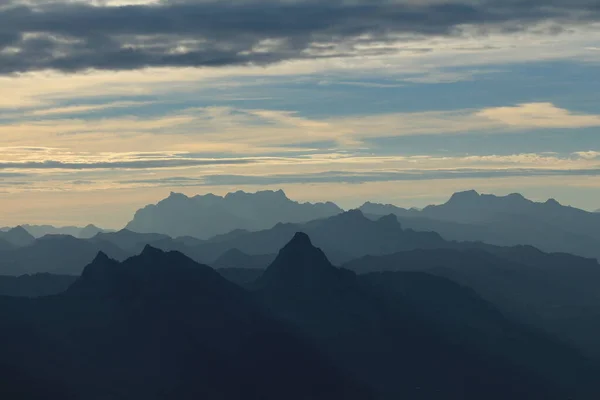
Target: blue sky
335	109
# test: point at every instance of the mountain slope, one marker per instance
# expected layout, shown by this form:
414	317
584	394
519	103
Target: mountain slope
17	237
36	285
408	344
57	254
505	221
210	215
235	258
555	292
160	326
342	237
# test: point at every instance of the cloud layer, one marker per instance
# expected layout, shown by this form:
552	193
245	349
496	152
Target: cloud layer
73	36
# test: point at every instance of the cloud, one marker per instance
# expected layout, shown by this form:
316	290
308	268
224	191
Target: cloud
138	164
539	115
76	36
256	132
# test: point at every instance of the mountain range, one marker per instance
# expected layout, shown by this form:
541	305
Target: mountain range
209	215
159	325
505	221
38	231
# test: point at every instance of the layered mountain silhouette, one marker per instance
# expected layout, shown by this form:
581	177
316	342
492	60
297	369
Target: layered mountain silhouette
38	231
417	336
342	237
505	221
17	237
160	326
209	215
36	285
58	254
555	292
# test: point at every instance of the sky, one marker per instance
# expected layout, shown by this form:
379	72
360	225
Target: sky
108	105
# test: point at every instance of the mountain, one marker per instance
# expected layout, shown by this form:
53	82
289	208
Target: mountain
132	242
36	285
343	237
209	215
505	221
57	254
244	277
235	258
554	292
38	231
89	232
160	326
417	336
17	237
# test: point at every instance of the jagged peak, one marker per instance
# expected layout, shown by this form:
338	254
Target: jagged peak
300	264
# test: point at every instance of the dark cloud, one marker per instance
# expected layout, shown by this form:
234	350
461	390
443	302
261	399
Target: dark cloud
135	164
74	36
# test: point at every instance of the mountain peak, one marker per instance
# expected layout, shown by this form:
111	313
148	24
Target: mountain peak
300	239
150	251
468	195
301	265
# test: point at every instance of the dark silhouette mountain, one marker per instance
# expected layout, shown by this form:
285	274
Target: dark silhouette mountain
57	254
244	277
36	285
210	215
160	326
417	336
555	292
17	237
235	258
505	221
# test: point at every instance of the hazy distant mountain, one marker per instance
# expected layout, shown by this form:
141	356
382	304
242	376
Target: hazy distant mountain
343	237
59	254
89	232
210	215
160	326
131	242
36	285
17	237
417	336
556	292
38	231
506	221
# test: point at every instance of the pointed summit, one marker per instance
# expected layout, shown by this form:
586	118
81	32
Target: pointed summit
301	266
17	236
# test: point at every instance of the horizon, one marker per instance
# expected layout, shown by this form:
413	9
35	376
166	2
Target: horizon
347	207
